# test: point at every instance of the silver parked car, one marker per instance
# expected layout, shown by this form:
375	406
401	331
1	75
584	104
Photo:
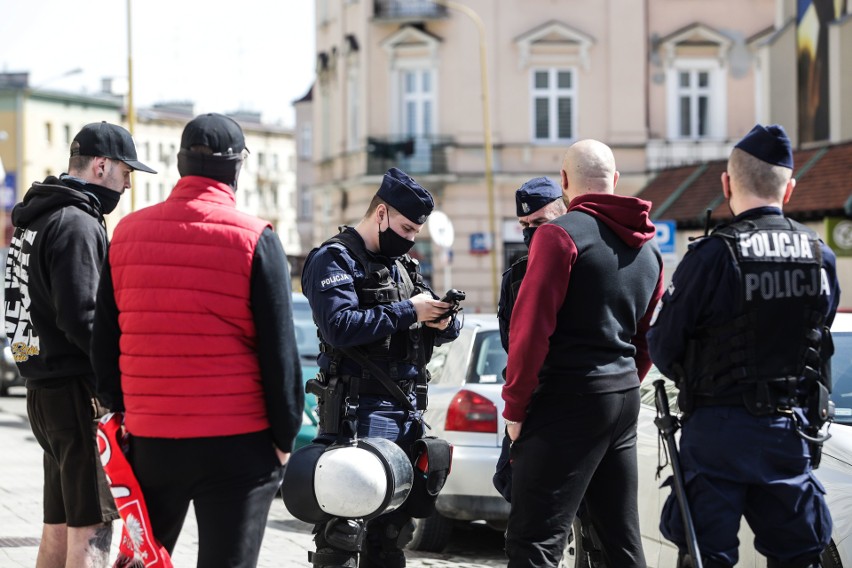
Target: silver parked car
465	407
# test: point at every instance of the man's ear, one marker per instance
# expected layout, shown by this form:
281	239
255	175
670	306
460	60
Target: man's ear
726	185
788	191
98	167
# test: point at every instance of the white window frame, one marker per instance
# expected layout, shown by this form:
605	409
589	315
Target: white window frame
398	95
553	93
353	110
716	92
306	138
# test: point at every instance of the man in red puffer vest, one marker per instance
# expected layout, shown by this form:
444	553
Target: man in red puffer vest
193	340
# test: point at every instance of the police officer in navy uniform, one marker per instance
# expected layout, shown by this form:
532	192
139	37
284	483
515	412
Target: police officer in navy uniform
373	308
537	201
743	332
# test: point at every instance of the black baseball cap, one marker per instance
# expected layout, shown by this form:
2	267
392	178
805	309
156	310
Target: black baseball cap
105	140
218	132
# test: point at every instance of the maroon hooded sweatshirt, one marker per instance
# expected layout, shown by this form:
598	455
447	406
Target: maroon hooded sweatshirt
593	279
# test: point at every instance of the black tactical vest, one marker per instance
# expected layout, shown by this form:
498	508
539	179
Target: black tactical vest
378	287
509	296
774	336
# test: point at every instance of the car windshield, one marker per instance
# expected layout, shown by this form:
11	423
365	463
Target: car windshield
841	376
483	363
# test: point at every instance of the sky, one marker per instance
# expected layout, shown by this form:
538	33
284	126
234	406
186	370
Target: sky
255	55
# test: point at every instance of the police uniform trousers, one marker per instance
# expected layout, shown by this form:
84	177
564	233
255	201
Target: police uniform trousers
386	534
574	445
735	465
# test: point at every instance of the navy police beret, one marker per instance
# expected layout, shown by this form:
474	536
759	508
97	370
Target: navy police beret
405	195
769	144
535	194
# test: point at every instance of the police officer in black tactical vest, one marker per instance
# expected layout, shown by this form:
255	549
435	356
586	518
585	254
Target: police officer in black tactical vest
744	333
378	322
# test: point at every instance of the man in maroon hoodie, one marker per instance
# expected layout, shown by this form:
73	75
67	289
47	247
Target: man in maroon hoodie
576	357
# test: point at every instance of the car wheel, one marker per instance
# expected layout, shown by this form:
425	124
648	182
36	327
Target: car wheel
576	555
431	534
830	557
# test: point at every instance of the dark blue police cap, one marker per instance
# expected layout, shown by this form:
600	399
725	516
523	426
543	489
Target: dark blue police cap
535	194
769	144
405	195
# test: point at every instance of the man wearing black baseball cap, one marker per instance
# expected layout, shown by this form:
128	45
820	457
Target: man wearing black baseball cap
369	299
55	259
203	360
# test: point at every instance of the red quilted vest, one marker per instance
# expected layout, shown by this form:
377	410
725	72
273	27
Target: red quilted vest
181	271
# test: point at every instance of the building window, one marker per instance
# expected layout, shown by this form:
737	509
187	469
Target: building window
693	100
353	109
306	203
305	141
554	105
67	131
325	120
261	159
696	100
48	132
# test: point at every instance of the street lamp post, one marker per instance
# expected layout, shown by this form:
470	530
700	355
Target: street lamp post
131	111
486	124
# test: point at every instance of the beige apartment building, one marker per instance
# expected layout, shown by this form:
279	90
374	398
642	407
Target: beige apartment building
663	82
37	126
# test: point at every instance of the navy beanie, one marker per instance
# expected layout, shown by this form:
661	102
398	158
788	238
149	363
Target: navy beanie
769	144
535	194
405	195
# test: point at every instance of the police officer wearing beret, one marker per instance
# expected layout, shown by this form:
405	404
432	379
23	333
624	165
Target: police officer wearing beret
744	333
372	307
537	201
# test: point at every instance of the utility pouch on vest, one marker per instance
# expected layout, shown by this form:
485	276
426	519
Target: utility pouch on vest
432	460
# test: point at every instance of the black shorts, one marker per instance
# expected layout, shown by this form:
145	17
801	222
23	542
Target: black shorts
75	488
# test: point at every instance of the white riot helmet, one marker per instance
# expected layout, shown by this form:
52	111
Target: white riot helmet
360	480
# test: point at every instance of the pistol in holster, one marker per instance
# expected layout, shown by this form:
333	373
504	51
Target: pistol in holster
330	397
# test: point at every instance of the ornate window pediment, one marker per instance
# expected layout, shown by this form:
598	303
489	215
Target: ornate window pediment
410	41
695	40
554	43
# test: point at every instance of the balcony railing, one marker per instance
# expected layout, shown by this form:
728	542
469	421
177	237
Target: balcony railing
664	153
408	10
412	154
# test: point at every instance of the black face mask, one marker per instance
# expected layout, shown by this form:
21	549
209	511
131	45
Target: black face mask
107	198
391	244
528	234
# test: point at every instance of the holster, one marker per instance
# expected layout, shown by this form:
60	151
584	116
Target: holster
330	393
432	459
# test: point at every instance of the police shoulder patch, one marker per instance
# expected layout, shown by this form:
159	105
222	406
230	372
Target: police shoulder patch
334	279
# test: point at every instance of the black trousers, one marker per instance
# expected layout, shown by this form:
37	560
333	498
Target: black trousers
231	481
571	446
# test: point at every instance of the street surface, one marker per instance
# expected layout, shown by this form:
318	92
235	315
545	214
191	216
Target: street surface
285	544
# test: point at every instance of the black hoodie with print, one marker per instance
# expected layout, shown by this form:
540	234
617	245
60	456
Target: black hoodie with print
51	279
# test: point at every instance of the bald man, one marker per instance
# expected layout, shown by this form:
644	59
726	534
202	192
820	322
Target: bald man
576	358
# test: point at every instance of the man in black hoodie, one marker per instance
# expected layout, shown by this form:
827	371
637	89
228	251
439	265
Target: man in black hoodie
52	274
576	357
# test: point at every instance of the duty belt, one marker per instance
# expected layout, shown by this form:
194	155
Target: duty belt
375	387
